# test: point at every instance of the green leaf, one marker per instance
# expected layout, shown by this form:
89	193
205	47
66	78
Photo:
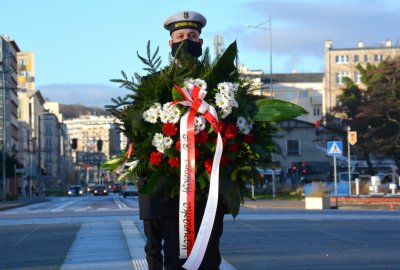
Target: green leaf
224	69
176	95
271	110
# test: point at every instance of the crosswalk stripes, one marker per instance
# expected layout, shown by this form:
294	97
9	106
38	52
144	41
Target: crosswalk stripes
135	244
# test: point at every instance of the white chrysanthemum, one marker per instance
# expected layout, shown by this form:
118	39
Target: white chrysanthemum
164	116
156	106
200	83
167	142
221	101
150	116
175	112
246	130
241	122
174	118
199	124
157	139
235	87
226	111
233	103
224	88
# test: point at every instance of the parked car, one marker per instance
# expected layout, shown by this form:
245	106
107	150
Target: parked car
130	189
75	191
90	187
116	187
100	190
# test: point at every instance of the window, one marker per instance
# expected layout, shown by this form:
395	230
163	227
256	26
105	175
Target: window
378	57
356	58
317	111
340	76
48	142
48	157
48	130
303	94
293	147
357	77
365	58
342	58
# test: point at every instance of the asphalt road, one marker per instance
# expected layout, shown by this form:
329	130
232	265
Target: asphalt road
312	243
88	233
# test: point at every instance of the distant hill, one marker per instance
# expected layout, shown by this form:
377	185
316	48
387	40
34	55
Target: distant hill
70	111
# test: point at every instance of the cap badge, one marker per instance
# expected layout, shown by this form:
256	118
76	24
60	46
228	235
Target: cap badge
186	14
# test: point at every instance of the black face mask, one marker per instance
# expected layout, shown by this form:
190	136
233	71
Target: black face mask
188	46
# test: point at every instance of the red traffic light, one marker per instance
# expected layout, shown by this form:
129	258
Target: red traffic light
294	168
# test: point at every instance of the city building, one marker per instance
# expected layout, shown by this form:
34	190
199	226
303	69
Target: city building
8	90
89	129
303	89
95	140
44	149
341	63
8	109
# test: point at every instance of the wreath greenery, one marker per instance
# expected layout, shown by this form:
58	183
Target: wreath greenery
248	142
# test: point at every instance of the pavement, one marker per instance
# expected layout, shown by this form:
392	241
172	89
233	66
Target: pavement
365	204
125	240
22	201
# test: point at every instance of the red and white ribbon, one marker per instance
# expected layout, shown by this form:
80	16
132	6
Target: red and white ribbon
190	247
128	155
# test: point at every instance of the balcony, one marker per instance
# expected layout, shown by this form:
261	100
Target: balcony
316	100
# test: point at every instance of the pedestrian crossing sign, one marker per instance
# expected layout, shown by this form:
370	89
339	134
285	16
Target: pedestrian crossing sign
334	148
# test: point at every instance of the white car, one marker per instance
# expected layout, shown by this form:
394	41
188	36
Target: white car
130	189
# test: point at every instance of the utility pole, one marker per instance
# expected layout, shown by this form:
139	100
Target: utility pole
269	28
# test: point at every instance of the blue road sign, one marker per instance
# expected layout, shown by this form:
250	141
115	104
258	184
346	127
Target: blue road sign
334	148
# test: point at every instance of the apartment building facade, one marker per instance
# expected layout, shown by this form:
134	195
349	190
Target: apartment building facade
303	89
343	62
8	94
89	129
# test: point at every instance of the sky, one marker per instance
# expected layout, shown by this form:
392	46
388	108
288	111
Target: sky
80	45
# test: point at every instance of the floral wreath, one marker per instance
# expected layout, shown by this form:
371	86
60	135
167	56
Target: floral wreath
247	123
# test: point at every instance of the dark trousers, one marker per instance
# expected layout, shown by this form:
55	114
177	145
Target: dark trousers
212	257
163	234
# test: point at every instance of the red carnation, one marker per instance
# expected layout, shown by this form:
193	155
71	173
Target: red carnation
173	162
208	165
196	153
233	147
178	145
224	160
248	138
230	131
156	158
169	129
221	126
201	137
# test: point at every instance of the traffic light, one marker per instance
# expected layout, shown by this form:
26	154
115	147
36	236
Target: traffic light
74	143
317	131
304	168
99	145
294	168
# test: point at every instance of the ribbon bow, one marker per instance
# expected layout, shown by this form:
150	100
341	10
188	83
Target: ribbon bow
128	155
188	246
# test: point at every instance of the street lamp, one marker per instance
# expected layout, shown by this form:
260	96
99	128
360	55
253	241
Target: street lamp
269	28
